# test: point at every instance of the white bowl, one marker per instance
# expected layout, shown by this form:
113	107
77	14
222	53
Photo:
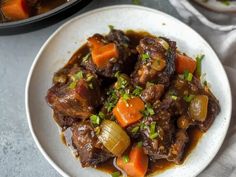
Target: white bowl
67	39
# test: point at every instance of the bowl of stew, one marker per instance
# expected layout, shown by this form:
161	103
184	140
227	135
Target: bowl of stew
23	15
135	94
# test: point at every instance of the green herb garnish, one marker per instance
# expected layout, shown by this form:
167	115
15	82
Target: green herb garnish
116	174
135	130
137	91
199	64
126	158
188	98
85	58
145	56
140	144
111	27
154	135
95	119
153	128
78	75
174	97
148	111
73	85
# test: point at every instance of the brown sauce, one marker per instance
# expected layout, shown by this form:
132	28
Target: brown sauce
160	165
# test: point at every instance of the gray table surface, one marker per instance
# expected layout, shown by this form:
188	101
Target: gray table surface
19	155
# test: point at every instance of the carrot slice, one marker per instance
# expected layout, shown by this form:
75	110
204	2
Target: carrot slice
137	164
15	10
103	54
94	43
184	63
128	112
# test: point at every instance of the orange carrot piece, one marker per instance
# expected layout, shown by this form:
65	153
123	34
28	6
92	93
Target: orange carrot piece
95	43
103	54
184	63
137	164
128	112
15	10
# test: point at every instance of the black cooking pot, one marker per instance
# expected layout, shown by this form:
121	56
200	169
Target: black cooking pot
40	21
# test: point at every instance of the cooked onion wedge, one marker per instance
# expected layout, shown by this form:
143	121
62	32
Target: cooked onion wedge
113	137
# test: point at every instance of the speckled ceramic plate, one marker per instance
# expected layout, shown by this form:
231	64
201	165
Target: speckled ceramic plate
218	6
67	39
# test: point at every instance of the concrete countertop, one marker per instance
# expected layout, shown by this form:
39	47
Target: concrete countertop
19	155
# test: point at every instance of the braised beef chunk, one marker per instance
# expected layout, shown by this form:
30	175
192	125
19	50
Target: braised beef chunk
90	149
156	61
63	121
177	148
78	97
122	63
152	93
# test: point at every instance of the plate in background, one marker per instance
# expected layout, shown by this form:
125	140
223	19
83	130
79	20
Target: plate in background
68	38
218	6
42	20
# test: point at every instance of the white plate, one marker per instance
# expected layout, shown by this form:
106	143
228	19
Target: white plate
67	39
218	6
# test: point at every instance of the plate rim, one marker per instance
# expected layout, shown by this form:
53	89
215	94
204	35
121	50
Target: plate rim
36	59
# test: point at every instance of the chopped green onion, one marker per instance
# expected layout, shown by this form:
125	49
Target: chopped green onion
199	64
89	77
116	174
186	73
140	144
101	115
174	97
188	98
72	85
79	75
86	57
90	85
150	110
126	96
111	27
145	56
95	119
141	126
135	130
190	77
154	135
126	158
152	127
205	83
137	91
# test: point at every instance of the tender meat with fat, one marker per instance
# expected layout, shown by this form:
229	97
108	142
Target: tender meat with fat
63	121
124	63
158	148
152	93
177	148
156	63
78	97
90	149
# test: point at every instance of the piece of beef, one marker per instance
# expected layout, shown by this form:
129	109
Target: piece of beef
123	63
78	97
151	52
63	121
158	148
90	149
176	151
152	93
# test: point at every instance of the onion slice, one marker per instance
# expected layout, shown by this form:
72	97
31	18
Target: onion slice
124	174
113	137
